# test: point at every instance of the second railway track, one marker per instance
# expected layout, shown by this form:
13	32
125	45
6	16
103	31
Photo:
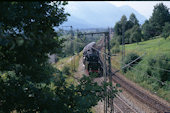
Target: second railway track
140	95
137	93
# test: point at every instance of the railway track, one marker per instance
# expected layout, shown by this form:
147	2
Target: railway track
122	106
140	95
137	93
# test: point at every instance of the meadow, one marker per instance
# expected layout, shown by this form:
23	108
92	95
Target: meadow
151	49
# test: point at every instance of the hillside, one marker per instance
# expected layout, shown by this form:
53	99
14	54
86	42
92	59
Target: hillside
154	49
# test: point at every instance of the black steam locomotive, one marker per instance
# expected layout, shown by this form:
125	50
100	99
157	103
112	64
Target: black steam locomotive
91	59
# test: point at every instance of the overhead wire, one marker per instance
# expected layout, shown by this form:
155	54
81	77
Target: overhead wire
163	83
127	65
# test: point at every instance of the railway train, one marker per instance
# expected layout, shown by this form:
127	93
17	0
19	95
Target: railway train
91	59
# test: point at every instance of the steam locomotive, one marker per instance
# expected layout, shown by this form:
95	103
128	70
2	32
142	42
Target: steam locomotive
91	59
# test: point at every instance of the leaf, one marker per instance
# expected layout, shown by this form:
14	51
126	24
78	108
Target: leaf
118	85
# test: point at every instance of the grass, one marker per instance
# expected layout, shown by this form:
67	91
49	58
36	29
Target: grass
69	61
153	48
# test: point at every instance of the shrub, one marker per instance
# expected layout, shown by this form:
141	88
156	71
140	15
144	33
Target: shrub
129	58
166	31
158	67
66	70
115	49
115	46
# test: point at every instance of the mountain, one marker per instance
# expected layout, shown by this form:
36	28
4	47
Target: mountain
97	14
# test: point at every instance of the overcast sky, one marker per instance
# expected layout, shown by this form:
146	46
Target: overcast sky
143	7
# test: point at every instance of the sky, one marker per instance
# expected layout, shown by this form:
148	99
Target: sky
143	7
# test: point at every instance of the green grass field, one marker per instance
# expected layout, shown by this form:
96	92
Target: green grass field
153	48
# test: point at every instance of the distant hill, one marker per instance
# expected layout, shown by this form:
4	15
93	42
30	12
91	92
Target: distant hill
97	14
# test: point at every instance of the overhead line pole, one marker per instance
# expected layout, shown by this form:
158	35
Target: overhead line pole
109	70
105	74
72	35
123	44
105	71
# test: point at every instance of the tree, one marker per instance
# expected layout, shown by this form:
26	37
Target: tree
166	30
133	19
129	25
119	25
28	36
28	83
127	36
159	16
136	34
148	30
123	23
118	28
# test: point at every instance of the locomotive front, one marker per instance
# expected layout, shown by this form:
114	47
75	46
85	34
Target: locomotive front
91	59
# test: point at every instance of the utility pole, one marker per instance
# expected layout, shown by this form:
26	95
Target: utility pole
105	73
108	101
72	36
109	70
123	44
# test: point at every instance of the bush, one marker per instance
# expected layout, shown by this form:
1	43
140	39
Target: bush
66	70
157	67
116	48
129	58
166	31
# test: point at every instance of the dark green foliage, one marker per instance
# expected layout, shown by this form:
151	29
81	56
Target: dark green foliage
135	35
159	16
133	19
156	23
166	30
118	28
24	96
148	30
28	83
119	25
66	70
131	28
115	46
27	36
161	63
127	36
129	58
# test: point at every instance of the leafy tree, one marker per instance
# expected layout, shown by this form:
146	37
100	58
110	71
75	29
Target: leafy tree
118	28
129	58
136	34
133	19
28	83
159	16
24	42
120	25
129	25
66	70
127	36
161	61
166	30
123	23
